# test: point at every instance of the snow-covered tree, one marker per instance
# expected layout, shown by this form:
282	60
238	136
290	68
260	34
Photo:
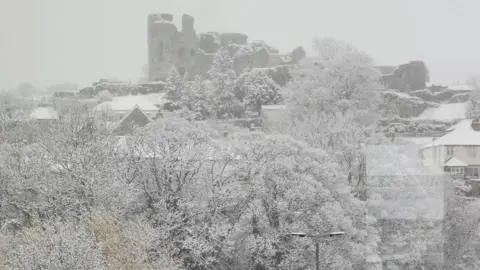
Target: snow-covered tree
175	85
230	203
473	108
346	75
54	245
292	187
99	240
222	77
256	88
196	100
104	96
333	105
14	113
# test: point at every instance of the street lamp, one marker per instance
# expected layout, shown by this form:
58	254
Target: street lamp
317	237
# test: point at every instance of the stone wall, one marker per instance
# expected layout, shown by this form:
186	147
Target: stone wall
121	89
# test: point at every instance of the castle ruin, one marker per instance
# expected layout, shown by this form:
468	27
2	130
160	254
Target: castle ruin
193	54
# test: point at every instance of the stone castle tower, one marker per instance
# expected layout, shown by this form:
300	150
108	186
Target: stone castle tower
167	46
188	52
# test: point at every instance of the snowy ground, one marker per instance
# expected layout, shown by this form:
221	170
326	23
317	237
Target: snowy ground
445	112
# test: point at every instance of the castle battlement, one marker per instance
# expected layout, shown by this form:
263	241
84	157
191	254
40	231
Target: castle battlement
191	53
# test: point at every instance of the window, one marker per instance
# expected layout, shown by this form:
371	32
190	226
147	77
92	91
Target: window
457	170
473	172
192	52
472	151
450	150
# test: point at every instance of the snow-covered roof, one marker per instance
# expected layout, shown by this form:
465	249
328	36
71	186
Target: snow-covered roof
453	127
155	83
156	98
463	134
274	107
118	123
454	162
43	113
461	87
445	112
126	103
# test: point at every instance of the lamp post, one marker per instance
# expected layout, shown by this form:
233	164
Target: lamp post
317	237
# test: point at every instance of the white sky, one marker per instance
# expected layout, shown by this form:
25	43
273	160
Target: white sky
52	41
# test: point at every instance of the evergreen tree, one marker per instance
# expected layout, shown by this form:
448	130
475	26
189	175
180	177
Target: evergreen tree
175	85
173	90
222	76
256	88
196	101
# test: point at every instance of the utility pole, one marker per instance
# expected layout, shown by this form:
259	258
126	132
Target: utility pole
317	237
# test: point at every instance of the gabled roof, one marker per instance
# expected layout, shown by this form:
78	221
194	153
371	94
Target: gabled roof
463	134
454	162
120	122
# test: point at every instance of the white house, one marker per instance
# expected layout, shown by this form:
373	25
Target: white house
457	151
121	105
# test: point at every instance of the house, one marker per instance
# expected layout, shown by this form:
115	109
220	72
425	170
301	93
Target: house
120	105
44	116
135	117
457	151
